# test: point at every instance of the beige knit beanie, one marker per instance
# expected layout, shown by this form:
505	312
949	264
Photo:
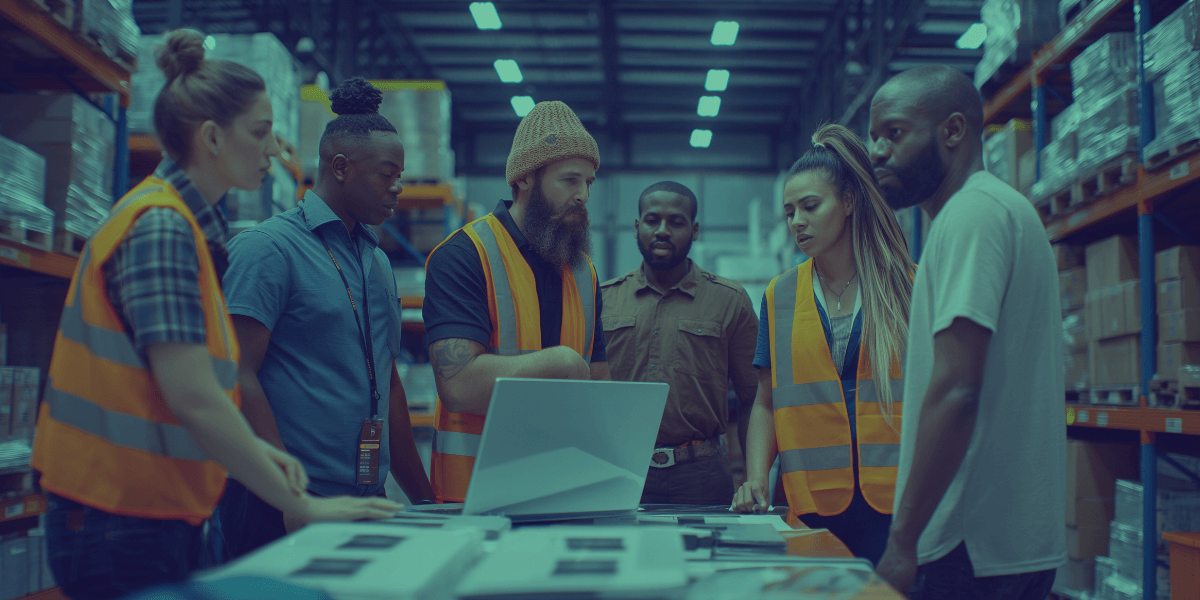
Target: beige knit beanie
550	132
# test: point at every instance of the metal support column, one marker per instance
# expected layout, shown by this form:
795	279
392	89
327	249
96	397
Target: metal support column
1141	18
116	112
1041	124
1149	516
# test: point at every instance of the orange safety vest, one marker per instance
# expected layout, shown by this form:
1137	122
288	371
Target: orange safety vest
516	329
105	436
812	428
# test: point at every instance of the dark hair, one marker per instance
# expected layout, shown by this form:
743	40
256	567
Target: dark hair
537	178
674	188
197	90
356	102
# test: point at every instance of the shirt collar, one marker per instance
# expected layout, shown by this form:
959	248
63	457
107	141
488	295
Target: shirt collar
212	222
505	217
687	285
317	213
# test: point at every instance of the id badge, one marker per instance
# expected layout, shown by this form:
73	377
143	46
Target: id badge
368	451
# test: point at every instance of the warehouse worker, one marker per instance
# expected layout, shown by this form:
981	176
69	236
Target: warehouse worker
140	419
829	348
981	485
514	294
671	321
313	300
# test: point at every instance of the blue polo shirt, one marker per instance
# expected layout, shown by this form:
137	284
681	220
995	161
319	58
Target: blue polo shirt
315	371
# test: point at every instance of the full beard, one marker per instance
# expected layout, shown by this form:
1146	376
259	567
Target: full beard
560	242
664	263
918	181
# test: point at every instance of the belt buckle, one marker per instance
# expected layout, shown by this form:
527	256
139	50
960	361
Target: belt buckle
668	461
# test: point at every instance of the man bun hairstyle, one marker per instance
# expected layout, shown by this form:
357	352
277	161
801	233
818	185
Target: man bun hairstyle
197	90
356	102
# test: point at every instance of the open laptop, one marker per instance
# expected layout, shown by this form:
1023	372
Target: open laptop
554	449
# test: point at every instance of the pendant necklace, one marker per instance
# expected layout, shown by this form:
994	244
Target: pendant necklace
839	296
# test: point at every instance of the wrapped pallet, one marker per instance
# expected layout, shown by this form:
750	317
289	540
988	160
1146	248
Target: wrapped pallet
1173	70
1103	80
1108	131
23	189
422	117
78	142
1015	29
110	23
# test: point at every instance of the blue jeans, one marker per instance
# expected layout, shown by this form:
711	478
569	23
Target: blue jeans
953	578
96	555
243	523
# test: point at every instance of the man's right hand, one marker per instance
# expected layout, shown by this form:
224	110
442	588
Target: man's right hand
347	508
753	497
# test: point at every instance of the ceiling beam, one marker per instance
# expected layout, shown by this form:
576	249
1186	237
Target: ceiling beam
911	15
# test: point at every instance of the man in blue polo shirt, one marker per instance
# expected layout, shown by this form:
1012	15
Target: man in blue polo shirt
314	302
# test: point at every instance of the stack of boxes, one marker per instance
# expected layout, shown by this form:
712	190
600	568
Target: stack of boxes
1176	510
1059	156
422	118
1177	275
1113	313
1172	57
23	189
110	23
1008	154
78	142
1092	472
1015	29
1072	288
18	412
1103	85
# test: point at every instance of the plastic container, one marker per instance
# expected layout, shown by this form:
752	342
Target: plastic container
1185	564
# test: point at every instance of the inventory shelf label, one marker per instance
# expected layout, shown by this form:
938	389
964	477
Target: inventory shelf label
1174	425
1083	416
1102	420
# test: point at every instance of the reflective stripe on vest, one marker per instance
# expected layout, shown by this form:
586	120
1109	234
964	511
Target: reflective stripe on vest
456	443
812	424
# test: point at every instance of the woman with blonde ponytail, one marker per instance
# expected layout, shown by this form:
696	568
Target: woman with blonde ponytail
832	334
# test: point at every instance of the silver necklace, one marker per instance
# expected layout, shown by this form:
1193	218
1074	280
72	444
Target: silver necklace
839	296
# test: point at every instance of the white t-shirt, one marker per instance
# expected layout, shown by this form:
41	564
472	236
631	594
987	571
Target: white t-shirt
987	259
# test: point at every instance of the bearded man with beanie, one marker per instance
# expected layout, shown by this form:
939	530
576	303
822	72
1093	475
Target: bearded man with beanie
513	294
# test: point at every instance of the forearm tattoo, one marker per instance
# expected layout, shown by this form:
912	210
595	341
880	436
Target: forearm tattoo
450	357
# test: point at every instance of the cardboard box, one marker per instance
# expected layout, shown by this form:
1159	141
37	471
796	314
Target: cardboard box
6	403
1003	150
1178	294
1076	576
1076	367
1188	376
1173	355
1072	286
1086	543
1027	176
24	402
1174	263
1091	311
1179	326
1092	473
1115	361
1075	332
1131	298
1120	310
1068	256
1112	261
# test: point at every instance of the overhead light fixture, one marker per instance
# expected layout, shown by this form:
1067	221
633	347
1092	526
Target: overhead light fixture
717	80
972	38
485	15
701	138
508	71
724	33
522	105
210	42
709	106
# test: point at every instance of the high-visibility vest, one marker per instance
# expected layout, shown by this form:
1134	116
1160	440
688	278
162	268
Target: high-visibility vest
105	436
516	329
812	427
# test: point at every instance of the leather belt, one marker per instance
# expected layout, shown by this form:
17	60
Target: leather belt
669	456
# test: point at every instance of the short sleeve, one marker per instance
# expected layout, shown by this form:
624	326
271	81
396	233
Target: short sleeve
155	280
258	282
970	263
762	350
599	345
456	303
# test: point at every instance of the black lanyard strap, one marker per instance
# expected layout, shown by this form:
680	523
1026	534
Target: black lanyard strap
368	347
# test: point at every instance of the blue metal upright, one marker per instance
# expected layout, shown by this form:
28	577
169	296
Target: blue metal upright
1041	127
121	159
1142	22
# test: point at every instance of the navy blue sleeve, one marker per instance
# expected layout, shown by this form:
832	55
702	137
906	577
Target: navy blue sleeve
599	347
762	351
456	302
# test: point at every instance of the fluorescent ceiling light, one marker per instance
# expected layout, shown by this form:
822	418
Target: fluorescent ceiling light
522	104
973	37
508	71
717	80
709	106
701	138
210	42
485	15
724	33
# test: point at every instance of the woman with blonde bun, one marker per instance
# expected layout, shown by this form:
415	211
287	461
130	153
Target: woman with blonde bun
140	424
832	333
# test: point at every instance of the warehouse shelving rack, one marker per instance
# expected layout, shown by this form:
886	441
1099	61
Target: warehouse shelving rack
1151	192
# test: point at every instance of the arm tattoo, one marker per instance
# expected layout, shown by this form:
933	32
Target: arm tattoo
450	357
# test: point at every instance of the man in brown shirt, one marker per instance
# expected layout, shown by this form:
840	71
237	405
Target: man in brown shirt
671	321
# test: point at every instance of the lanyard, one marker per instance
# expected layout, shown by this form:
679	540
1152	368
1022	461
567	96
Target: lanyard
368	347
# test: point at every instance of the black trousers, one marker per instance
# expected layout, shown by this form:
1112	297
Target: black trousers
704	481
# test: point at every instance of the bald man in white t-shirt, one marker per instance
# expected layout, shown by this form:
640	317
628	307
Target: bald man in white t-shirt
980	493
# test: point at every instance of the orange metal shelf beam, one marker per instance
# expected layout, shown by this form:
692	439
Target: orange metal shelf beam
55	37
1132	418
425	196
33	259
1051	54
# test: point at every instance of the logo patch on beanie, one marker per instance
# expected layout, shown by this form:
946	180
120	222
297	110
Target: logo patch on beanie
551	140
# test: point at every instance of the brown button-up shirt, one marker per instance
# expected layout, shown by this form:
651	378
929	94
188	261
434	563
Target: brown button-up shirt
696	338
